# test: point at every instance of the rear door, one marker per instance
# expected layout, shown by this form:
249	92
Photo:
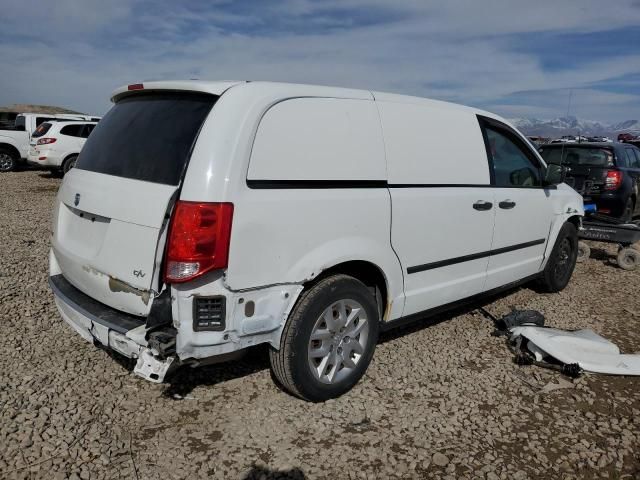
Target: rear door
524	209
442	203
112	208
71	137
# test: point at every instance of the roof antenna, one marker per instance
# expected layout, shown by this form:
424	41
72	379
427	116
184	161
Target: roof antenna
567	116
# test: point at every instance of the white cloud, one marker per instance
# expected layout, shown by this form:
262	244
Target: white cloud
457	51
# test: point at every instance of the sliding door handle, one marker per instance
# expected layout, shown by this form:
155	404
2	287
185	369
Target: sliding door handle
507	204
482	205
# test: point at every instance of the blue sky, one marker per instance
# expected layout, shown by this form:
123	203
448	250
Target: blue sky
516	58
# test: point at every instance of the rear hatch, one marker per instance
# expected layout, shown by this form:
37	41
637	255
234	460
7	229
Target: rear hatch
113	208
587	166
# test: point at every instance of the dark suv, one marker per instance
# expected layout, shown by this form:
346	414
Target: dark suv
606	174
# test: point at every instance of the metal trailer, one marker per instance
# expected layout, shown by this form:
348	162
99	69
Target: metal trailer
602	228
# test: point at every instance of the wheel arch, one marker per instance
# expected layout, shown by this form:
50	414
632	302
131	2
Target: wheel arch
368	273
67	157
10	148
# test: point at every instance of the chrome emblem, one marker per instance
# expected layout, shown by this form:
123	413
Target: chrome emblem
77	199
139	273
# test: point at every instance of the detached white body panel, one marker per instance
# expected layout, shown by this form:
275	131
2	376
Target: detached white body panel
589	350
320	179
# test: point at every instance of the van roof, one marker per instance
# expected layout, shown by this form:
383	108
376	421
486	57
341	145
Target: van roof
219	87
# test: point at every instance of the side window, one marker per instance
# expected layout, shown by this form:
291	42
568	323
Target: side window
20	123
87	130
632	161
72	130
512	163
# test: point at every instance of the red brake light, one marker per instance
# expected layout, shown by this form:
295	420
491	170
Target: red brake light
44	141
135	86
613	180
198	240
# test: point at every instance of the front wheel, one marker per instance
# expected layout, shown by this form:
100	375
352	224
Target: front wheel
328	340
562	261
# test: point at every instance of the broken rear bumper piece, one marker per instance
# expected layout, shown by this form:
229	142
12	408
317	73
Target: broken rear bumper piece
123	333
584	349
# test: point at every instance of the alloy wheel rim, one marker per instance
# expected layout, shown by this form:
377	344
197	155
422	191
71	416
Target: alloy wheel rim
5	161
338	341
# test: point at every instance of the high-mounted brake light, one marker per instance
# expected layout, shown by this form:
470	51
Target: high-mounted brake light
198	240
46	140
613	180
135	86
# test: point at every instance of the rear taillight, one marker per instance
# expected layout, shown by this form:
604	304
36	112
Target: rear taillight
198	240
613	180
45	141
135	86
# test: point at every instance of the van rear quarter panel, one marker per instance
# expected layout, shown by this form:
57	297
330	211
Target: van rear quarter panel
290	235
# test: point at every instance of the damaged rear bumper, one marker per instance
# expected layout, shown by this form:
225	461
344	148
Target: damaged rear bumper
121	332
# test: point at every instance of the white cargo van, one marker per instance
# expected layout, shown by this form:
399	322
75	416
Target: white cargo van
203	218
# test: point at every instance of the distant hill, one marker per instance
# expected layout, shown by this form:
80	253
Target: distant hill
573	126
23	107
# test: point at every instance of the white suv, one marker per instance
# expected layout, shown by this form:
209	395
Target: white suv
56	144
203	218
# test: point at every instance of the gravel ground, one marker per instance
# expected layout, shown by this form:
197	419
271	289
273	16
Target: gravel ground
442	399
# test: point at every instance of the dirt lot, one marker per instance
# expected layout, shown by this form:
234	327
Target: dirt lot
441	398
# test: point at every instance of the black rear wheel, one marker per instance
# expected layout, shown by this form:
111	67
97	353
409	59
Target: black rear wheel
627	213
328	340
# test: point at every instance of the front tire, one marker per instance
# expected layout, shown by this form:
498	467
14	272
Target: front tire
328	340
562	261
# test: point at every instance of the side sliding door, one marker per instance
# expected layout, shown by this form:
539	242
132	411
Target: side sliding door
442	211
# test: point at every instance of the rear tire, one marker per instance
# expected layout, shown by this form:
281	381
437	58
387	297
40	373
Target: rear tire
562	261
8	160
69	163
328	340
627	213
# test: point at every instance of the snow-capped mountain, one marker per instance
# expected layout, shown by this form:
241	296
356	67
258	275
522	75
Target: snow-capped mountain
572	126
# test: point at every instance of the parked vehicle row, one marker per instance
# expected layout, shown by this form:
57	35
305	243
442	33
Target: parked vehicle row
261	213
15	140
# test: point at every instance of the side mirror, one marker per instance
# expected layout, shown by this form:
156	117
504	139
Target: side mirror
20	128
555	174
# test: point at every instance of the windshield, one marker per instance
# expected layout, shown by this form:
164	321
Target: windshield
147	136
578	156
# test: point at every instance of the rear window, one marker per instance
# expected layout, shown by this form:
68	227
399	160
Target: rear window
147	136
590	157
41	130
